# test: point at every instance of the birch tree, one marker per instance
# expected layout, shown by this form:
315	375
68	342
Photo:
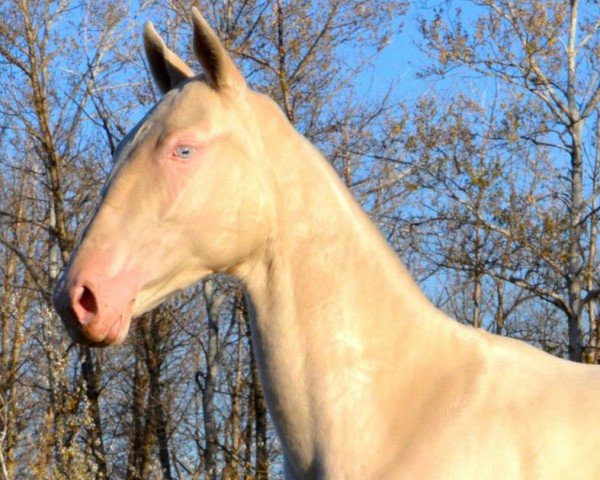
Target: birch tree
545	53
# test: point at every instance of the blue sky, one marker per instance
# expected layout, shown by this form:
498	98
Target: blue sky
402	60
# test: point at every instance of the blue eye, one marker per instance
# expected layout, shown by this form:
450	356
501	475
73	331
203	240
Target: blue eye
184	152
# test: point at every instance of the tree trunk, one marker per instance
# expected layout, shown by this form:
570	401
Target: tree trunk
575	271
214	298
92	375
14	299
136	463
233	460
157	415
261	464
592	354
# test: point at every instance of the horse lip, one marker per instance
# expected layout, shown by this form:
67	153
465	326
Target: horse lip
80	335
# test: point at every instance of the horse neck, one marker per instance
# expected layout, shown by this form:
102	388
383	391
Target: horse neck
334	307
325	257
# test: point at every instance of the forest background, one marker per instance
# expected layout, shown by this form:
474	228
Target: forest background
468	130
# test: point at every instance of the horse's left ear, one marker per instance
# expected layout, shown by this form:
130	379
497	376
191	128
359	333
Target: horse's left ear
218	66
166	67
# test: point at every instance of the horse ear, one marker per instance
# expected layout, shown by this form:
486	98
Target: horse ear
218	66
166	67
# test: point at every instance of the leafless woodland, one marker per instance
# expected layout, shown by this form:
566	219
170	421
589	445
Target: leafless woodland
485	182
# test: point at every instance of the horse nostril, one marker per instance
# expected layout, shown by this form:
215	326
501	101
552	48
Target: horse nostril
85	305
88	301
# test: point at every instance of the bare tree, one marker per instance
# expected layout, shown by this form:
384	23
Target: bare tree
545	53
135	412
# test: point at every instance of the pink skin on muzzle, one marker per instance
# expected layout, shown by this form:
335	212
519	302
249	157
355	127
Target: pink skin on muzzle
95	299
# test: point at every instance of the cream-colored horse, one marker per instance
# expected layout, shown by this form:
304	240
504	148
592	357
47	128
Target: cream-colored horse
364	378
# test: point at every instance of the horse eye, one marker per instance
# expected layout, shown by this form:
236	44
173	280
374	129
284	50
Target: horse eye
184	152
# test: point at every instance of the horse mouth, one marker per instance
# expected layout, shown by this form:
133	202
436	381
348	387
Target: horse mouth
95	334
98	338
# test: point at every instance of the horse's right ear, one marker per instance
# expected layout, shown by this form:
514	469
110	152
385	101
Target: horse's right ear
166	67
220	70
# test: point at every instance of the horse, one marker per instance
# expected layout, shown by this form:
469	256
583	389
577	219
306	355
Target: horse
363	376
